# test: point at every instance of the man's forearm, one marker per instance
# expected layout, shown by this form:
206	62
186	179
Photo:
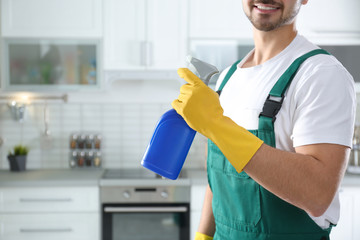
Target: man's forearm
307	179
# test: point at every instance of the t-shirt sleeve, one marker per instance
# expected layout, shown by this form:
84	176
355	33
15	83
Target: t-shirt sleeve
325	108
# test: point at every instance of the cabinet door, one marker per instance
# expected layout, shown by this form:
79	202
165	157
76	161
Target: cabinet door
197	200
218	19
344	228
51	18
44	199
33	65
166	34
124	34
356	213
80	226
326	20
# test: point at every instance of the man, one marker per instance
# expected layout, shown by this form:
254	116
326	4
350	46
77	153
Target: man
280	179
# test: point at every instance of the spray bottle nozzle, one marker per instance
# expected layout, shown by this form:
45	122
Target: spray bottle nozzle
201	69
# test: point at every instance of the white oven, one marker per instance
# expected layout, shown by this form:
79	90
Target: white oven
136	208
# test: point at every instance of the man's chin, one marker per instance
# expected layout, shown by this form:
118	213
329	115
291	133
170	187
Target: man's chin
265	27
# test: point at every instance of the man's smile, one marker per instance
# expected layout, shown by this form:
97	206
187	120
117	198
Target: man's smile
265	8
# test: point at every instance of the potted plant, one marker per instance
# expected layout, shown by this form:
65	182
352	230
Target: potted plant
17	158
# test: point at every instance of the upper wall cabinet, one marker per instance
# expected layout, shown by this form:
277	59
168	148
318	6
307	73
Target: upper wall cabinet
218	19
330	21
52	64
145	34
51	18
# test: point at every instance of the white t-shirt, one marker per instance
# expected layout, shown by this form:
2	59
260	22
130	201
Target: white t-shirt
319	105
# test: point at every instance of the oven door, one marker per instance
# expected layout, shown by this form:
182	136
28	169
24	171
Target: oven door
146	221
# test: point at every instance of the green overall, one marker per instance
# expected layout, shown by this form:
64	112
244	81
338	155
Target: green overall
244	210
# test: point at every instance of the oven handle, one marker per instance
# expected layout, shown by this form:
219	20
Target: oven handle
44	230
144	209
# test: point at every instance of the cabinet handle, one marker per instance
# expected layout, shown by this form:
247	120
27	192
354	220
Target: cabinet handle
149	54
146	53
145	209
45	199
44	230
143	53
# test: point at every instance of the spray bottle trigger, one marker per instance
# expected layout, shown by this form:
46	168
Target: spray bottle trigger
201	69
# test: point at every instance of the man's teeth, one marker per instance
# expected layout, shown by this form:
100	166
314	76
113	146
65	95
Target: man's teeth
265	7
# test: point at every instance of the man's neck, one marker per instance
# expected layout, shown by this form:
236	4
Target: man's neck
269	44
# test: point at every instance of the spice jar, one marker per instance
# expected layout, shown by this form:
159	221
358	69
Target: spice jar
73	159
81	159
97	141
73	141
89	141
97	159
81	141
89	158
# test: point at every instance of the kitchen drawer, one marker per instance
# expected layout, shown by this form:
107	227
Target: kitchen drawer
60	226
45	199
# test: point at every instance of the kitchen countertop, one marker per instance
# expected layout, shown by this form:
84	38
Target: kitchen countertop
53	177
187	177
92	177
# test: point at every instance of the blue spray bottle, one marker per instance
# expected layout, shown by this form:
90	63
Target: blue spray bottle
172	138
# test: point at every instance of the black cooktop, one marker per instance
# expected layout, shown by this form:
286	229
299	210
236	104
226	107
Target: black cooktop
136	173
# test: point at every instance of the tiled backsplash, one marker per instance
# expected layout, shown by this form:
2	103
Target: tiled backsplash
125	117
126	129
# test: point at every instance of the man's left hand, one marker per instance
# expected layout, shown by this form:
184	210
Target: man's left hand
198	104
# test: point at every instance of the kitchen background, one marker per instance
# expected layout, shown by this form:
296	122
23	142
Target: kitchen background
124	112
108	68
139	45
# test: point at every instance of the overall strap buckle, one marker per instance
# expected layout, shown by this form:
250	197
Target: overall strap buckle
271	107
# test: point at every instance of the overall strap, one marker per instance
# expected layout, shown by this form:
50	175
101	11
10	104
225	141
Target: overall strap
275	98
228	76
284	81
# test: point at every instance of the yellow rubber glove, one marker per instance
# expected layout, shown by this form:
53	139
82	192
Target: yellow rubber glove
200	107
201	236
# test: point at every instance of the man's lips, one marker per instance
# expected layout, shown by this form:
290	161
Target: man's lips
266	8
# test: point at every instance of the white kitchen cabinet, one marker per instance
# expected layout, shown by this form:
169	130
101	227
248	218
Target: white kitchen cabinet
218	20
49	213
51	64
348	225
145	34
57	199
45	226
322	21
51	18
196	203
330	21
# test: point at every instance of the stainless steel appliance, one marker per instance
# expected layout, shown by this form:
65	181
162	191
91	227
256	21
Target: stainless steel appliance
138	205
